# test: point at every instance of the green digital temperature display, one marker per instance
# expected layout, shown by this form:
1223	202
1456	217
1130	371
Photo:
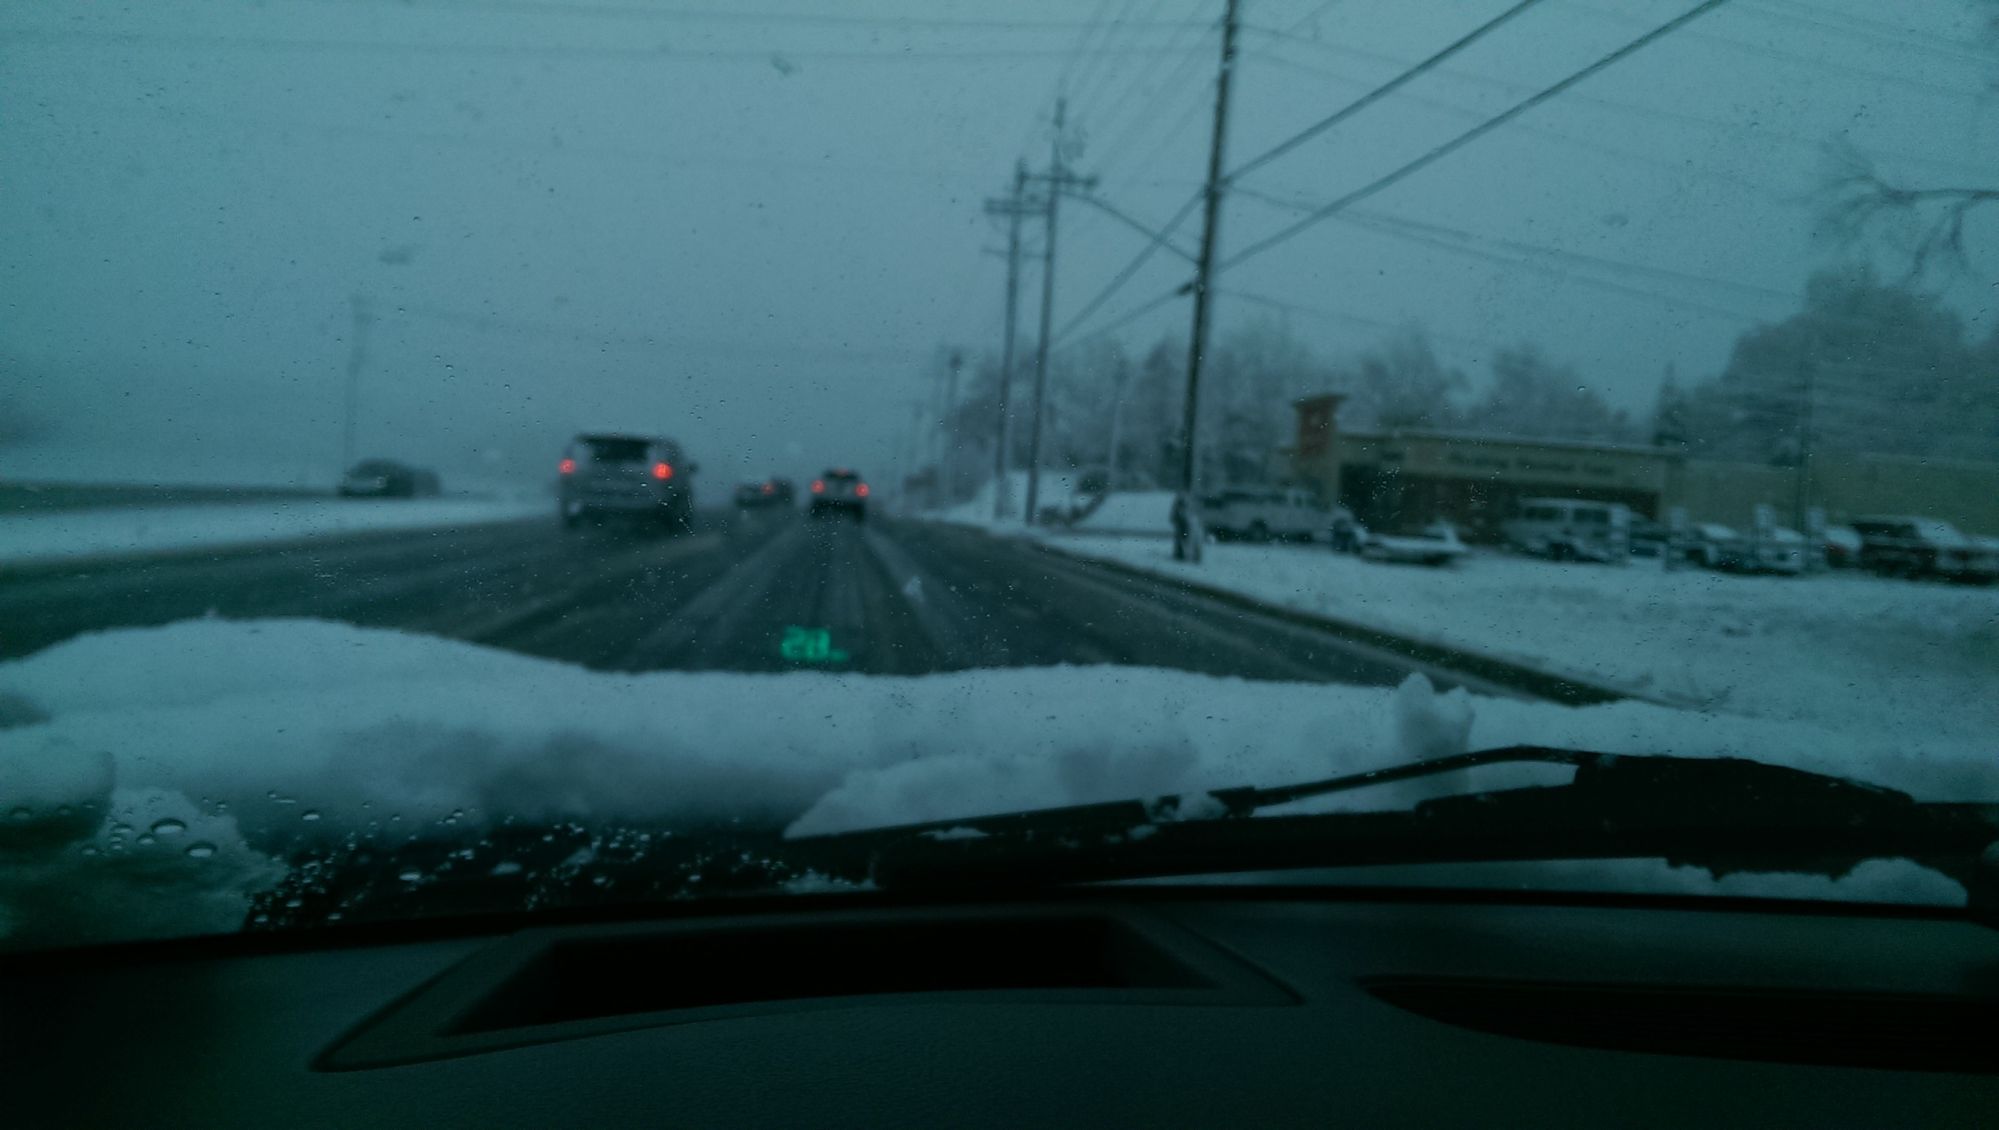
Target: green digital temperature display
809	645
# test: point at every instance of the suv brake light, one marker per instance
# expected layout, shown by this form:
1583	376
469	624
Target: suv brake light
862	490
818	486
567	466
662	471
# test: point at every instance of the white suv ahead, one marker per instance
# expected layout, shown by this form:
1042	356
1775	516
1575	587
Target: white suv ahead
642	477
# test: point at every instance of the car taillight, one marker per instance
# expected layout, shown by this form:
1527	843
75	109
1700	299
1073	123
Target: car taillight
567	466
818	486
862	490
662	471
769	489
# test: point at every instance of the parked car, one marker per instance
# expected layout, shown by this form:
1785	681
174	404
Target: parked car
1570	529
386	478
1648	538
1900	546
840	491
1779	550
636	476
1841	547
1713	545
1435	544
1261	515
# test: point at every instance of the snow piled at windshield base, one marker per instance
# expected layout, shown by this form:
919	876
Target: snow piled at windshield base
152	778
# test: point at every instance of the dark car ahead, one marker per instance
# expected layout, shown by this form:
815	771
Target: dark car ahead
385	478
636	476
840	491
768	492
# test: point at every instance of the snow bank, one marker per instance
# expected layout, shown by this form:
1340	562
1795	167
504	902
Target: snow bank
1132	512
1838	650
69	535
1057	489
150	776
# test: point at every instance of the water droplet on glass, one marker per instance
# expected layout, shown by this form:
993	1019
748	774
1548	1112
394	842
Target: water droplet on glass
146	839
201	849
506	867
169	827
22	812
89	849
309	814
411	876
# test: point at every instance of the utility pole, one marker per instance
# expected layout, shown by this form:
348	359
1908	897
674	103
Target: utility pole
1013	207
1187	537
1807	377
1057	179
946	435
357	358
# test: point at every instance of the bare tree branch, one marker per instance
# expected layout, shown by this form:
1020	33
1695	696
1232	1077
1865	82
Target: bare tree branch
1858	200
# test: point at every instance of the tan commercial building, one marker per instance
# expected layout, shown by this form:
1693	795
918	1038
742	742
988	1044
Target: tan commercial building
1400	478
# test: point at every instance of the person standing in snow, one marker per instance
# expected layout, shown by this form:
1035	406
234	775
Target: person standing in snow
1187	532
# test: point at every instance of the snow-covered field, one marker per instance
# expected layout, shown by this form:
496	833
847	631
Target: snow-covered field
1840	650
77	534
147	774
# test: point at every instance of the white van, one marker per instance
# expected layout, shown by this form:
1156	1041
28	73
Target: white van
1260	515
1570	529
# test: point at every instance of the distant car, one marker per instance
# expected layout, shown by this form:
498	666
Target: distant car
1436	544
840	491
636	476
767	492
1570	529
386	478
1923	547
1261	515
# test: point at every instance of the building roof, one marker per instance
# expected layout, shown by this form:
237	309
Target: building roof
1449	435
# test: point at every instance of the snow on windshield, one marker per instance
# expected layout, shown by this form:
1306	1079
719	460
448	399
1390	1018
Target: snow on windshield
154	775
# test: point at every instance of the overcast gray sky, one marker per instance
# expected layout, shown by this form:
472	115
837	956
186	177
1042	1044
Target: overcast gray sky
752	225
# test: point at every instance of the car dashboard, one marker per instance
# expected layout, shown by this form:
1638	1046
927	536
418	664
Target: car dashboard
1103	1006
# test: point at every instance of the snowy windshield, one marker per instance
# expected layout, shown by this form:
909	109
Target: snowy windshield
1250	392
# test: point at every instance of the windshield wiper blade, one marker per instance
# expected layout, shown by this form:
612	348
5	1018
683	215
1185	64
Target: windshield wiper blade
1723	814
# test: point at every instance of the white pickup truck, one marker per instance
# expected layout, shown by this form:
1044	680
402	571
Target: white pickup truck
1273	514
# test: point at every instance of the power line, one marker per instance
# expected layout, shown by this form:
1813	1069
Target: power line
1783	56
1130	269
1090	27
1775	11
1114	212
530	51
1686	169
1620	265
1476	132
1379	92
1550	271
1758	132
1093	79
1310	16
1889	30
652	13
1357	319
1132	129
